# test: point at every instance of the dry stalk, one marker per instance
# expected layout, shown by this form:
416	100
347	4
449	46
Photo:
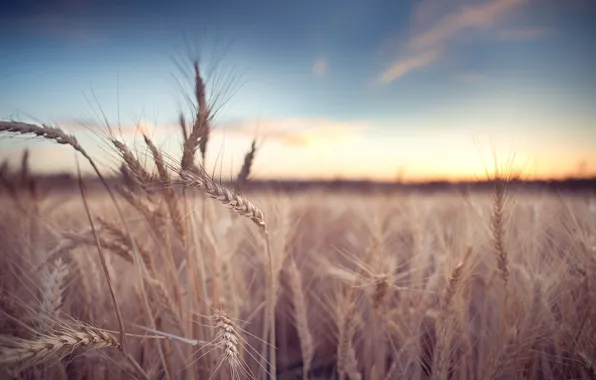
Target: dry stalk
102	260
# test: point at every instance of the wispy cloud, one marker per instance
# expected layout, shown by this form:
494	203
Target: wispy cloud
319	68
427	46
403	66
523	34
466	17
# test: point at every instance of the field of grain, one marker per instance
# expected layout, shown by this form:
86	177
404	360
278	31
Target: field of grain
172	275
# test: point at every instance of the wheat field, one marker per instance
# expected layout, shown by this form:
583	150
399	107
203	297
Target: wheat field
170	274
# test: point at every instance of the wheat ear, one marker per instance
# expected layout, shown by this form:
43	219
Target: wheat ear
307	347
246	166
200	130
46	132
23	353
140	175
441	357
498	228
52	292
199	179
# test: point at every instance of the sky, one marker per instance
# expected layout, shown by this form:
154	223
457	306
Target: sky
381	90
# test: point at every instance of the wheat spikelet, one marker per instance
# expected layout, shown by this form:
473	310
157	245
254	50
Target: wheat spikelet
246	166
203	111
22	353
183	128
241	205
227	338
45	132
442	353
139	174
452	286
52	290
199	134
228	343
498	229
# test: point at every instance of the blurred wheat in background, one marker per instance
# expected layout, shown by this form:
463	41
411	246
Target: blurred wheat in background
152	277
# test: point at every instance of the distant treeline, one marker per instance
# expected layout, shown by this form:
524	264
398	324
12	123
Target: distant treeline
65	182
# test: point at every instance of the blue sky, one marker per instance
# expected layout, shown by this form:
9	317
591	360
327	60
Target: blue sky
334	88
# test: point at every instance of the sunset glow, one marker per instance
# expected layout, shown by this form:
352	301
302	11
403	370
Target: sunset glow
418	91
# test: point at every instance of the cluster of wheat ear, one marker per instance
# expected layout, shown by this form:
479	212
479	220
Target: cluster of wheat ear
108	282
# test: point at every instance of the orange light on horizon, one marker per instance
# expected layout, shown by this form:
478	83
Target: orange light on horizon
346	154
